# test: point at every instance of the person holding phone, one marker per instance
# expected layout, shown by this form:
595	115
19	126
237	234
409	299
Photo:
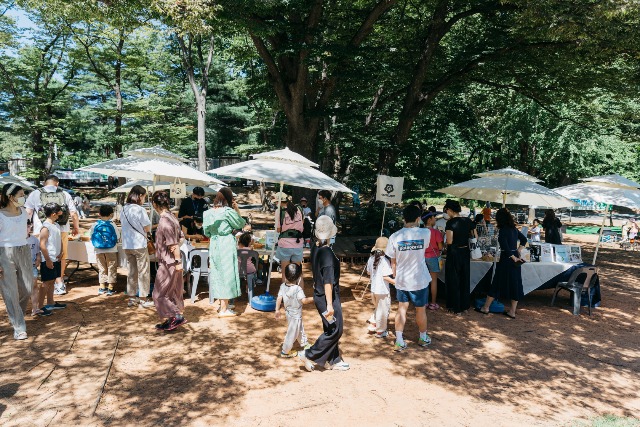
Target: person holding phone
507	282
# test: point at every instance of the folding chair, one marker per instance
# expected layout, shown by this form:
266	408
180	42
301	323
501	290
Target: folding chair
578	288
199	262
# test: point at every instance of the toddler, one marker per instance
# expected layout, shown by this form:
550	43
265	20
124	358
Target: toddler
535	231
34	244
293	297
379	268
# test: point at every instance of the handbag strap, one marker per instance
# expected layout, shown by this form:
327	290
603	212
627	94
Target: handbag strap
131	225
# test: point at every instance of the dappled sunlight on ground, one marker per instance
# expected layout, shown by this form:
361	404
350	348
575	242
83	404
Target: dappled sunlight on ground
547	367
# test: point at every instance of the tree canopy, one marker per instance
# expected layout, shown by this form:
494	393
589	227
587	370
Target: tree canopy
434	90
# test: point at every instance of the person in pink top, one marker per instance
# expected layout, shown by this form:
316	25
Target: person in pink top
290	224
432	256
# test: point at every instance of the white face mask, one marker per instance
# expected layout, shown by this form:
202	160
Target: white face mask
19	202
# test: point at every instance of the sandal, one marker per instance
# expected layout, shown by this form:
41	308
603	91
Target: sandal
479	310
506	313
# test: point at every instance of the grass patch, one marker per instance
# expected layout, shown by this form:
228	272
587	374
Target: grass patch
609	421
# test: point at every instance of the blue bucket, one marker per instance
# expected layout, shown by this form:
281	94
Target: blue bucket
264	302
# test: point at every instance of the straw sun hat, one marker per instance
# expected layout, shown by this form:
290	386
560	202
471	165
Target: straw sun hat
325	228
381	244
280	195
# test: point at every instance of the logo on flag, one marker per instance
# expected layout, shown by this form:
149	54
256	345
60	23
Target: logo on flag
390	189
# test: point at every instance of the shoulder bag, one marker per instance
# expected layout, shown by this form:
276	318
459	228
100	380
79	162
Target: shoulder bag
151	249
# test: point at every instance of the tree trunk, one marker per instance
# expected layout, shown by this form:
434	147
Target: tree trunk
202	146
117	144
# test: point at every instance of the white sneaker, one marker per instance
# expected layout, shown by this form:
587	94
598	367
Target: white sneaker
372	327
133	302
340	366
147	304
308	364
59	288
20	336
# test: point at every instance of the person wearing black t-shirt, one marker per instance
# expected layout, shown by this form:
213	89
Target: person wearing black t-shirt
457	268
191	207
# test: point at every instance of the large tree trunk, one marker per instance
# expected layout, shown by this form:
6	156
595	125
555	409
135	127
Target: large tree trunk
202	145
117	144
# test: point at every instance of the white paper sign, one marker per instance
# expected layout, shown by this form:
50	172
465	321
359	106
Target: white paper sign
178	191
546	252
390	189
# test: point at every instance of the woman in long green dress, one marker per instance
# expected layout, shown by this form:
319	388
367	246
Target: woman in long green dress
218	224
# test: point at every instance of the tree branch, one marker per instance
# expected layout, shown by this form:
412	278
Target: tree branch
367	25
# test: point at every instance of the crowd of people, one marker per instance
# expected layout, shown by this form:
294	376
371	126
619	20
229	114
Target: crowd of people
410	260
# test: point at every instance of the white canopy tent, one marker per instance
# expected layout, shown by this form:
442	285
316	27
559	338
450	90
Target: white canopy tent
164	185
284	167
508	189
509	171
610	189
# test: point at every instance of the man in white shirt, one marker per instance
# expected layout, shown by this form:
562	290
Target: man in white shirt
34	204
406	249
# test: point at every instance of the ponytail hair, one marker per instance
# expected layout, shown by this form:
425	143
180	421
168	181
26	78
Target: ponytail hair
376	260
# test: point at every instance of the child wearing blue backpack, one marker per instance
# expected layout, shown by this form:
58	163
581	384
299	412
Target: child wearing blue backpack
104	238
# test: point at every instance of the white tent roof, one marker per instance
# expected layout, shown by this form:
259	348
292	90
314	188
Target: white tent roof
12	179
621	196
158	169
613	180
517	191
163	185
155	152
281	171
286	156
509	172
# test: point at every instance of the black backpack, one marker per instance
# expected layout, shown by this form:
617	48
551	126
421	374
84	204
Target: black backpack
55	197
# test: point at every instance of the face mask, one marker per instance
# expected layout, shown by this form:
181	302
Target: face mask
19	202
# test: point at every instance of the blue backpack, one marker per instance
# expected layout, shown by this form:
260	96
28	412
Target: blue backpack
104	235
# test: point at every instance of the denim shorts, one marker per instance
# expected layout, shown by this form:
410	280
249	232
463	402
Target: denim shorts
433	264
289	255
417	298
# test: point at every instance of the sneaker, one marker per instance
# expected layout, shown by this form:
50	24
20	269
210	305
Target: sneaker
400	347
20	336
372	327
55	306
59	289
291	353
102	291
340	366
382	334
175	322
164	325
147	304
227	313
110	292
308	364
424	342
133	302
433	306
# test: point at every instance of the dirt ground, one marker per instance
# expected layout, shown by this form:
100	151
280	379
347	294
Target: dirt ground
547	367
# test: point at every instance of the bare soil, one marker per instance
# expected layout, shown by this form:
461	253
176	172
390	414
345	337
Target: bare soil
547	367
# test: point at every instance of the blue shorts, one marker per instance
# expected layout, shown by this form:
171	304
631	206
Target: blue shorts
433	264
289	255
417	298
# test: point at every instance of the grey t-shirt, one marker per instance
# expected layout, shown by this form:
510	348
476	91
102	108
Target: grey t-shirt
329	211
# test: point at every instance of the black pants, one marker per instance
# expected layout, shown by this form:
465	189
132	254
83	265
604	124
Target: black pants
457	278
325	349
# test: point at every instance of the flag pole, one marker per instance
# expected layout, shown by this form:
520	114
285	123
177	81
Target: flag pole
383	214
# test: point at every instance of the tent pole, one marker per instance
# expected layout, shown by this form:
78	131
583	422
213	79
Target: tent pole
383	214
604	218
273	249
504	199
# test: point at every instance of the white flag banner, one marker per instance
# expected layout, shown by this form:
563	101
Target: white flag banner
390	189
178	191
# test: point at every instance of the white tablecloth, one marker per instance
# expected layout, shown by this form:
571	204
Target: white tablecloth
78	250
534	274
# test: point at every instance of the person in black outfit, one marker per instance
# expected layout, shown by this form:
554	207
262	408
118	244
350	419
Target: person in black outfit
457	274
326	296
191	207
551	226
507	282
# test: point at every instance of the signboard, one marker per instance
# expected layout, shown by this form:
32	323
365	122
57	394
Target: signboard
390	189
178	191
546	252
589	205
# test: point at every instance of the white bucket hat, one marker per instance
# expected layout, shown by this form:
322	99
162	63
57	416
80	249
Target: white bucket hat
325	228
280	195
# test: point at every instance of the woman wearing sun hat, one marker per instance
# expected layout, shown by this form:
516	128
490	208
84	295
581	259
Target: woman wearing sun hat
326	296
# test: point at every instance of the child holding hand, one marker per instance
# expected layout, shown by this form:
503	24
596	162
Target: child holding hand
293	297
379	268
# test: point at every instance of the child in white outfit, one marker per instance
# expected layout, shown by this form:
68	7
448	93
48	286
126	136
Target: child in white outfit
379	268
34	244
293	297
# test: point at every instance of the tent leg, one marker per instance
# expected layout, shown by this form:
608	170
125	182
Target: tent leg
273	250
595	254
383	214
